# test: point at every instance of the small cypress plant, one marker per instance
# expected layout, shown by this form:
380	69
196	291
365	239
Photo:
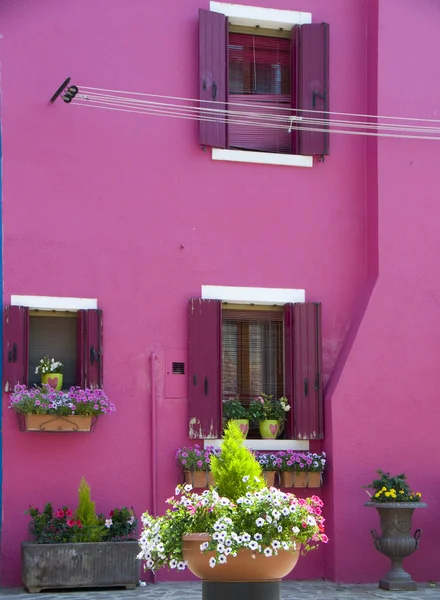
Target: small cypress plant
235	470
91	530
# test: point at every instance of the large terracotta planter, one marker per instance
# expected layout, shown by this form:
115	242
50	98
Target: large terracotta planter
269	429
396	541
199	479
56	423
247	566
80	565
55	380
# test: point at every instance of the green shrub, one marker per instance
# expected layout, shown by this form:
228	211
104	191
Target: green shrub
235	470
91	530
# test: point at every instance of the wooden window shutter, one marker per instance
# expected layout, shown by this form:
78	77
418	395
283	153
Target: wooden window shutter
204	368
213	74
303	370
311	56
15	346
90	348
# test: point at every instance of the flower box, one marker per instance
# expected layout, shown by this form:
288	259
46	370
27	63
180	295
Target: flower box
56	423
79	565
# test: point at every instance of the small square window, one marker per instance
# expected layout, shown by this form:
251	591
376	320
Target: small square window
54	335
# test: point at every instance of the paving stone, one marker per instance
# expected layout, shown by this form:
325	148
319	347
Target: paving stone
291	590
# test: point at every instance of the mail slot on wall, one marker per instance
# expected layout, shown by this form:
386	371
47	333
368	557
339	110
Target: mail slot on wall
176	378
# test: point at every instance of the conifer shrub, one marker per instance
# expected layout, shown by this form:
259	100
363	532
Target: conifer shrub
92	530
235	470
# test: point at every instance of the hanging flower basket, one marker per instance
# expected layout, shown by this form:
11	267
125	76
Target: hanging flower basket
56	423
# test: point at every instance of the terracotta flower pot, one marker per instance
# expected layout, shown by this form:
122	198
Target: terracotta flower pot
55	380
313	480
199	479
57	423
269	429
246	566
293	479
286	479
269	477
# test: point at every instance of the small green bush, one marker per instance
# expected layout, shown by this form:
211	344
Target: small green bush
91	530
235	470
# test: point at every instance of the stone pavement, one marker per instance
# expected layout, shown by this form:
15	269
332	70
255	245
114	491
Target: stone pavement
291	590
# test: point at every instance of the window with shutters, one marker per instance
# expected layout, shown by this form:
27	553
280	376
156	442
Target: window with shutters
72	337
244	351
263	87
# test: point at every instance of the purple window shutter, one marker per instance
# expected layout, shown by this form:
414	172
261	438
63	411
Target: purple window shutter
93	349
307	387
81	348
312	66
204	368
213	67
288	367
15	346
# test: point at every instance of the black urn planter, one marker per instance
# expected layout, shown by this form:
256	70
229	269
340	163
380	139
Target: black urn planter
396	541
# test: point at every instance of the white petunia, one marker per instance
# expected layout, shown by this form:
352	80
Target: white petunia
220	548
188	487
258	536
276	544
173	563
253	545
246	537
259	522
311	521
181	566
204	546
295	530
222	559
212	562
268	552
177	491
245	478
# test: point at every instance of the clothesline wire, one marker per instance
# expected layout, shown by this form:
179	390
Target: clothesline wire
195	117
214	102
121	101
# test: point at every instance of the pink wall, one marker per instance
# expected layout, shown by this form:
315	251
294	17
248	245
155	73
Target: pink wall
128	209
384	410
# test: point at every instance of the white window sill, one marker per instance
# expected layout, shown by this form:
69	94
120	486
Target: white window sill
54	302
266	444
262	158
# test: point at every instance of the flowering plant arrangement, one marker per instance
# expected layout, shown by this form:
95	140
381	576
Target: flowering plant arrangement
232	408
392	489
45	400
265	407
240	513
194	458
49	365
64	525
301	462
269	461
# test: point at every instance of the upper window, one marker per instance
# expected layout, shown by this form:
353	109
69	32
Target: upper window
258	84
244	352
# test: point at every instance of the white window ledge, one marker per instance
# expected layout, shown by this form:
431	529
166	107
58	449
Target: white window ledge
262	158
250	295
267	445
54	302
269	18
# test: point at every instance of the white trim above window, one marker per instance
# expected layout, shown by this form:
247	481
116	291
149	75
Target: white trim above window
54	302
249	295
269	18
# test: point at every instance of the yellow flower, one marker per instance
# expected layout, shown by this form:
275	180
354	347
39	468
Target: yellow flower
378	493
384	489
387	494
419	494
401	492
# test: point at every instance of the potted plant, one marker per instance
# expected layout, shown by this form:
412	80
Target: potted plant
270	414
51	372
195	462
69	548
270	463
241	532
395	503
233	410
315	468
45	409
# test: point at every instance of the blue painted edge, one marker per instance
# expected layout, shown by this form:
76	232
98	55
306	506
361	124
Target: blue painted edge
1	319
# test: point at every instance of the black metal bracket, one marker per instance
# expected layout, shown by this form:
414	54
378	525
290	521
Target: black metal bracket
69	95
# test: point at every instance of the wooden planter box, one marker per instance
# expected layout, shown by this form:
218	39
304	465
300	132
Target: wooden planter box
56	423
102	564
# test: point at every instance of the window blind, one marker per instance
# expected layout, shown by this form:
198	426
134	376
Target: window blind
252	353
259	75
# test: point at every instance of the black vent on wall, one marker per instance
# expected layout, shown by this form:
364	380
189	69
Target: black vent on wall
178	368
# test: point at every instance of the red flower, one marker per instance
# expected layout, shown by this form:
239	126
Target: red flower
111	514
78	524
59	514
68	513
71	523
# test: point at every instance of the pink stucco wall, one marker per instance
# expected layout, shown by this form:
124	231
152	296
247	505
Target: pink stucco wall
128	209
